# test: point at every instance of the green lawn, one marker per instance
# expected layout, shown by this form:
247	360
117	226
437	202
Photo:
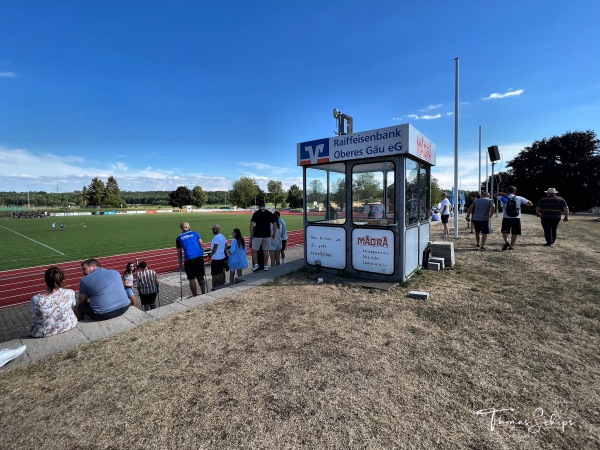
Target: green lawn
31	242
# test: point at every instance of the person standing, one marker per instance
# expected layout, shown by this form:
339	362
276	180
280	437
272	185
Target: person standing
101	293
284	235
549	209
482	210
62	226
511	215
54	309
275	250
445	214
191	249
261	233
147	284
53	226
237	255
217	254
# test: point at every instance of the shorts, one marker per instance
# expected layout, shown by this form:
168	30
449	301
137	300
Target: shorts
482	226
217	266
264	241
283	244
445	218
194	268
148	299
85	309
129	291
511	224
275	246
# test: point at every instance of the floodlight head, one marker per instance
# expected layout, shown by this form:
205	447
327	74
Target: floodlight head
494	153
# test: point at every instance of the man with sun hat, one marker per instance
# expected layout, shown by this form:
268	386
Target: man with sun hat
549	209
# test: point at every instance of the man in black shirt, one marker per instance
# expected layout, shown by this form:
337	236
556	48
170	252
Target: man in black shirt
261	232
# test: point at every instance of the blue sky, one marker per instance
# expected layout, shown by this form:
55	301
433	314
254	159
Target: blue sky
162	94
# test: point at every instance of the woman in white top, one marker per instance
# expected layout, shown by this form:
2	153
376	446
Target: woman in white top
53	309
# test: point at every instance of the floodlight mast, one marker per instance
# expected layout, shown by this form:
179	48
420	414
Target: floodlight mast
341	118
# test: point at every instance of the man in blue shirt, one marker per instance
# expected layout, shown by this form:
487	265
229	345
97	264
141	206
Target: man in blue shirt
190	246
101	293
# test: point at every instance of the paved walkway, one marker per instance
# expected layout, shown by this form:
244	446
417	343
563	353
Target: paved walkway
15	321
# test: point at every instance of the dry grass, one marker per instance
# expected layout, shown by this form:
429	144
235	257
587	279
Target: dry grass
299	365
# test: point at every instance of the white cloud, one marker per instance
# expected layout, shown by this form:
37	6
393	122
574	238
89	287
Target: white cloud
430	107
468	165
22	170
511	93
7	75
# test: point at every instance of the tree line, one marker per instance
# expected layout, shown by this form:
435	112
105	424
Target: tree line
569	162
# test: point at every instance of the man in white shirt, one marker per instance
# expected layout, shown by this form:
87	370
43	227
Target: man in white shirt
445	214
511	215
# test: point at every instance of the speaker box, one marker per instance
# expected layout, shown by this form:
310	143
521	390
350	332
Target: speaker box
494	153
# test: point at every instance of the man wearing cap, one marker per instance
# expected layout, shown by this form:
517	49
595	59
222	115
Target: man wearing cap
549	209
511	222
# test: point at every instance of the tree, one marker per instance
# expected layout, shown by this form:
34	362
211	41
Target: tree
113	193
276	192
244	192
180	196
573	155
199	197
366	186
96	192
294	197
436	192
316	191
338	194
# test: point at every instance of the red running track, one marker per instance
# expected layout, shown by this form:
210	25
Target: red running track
19	285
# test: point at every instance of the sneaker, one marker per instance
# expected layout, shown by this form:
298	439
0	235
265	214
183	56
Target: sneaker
547	245
266	268
511	248
255	268
482	248
506	246
8	354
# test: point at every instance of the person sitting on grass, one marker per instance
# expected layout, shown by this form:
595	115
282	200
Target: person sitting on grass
53	309
101	293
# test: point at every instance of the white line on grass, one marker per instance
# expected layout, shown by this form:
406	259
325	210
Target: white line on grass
37	242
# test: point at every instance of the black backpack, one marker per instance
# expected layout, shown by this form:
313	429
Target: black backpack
511	207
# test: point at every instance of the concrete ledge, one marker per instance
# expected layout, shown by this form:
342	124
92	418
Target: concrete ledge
199	300
96	330
39	348
167	310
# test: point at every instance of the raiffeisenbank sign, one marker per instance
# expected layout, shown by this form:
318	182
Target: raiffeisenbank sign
396	140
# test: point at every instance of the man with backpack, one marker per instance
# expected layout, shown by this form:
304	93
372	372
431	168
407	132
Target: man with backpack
511	215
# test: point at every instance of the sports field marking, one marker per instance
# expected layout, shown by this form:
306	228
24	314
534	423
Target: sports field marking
37	242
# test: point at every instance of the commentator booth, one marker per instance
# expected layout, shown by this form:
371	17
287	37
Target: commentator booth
367	202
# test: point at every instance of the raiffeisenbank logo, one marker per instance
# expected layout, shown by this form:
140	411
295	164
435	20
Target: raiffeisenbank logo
314	152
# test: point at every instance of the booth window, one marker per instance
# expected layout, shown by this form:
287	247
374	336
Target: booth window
326	194
417	207
373	194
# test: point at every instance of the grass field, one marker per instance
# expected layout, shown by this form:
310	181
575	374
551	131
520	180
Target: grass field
330	366
31	242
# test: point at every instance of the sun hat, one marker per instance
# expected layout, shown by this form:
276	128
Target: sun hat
551	191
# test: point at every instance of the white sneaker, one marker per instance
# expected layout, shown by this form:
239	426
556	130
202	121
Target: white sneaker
8	354
266	268
283	261
255	268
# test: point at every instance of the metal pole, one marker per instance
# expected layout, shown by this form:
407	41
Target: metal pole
479	179
456	149
492	195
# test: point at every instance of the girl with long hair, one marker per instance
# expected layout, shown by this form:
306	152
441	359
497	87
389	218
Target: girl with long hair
237	255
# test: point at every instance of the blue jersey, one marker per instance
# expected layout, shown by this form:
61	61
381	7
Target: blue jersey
189	242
